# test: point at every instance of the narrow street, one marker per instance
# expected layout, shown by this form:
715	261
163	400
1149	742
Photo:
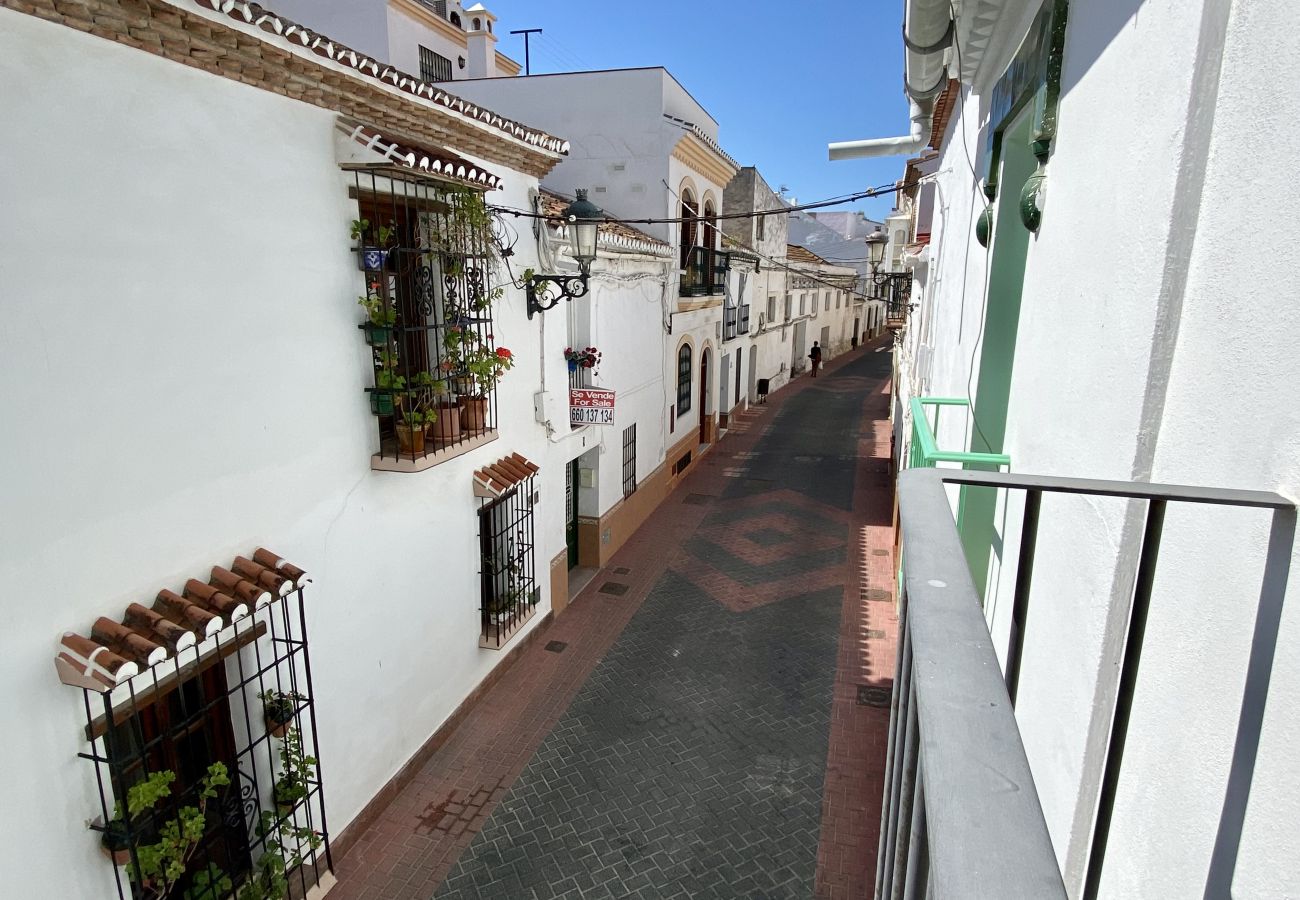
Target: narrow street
709	717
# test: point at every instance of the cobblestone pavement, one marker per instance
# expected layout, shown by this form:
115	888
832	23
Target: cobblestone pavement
716	728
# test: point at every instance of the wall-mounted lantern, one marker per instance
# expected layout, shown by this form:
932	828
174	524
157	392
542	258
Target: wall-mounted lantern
583	218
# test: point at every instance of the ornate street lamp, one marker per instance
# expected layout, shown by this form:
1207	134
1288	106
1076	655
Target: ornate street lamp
583	218
876	242
900	283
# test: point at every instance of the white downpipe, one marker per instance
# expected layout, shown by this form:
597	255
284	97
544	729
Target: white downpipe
927	30
891	146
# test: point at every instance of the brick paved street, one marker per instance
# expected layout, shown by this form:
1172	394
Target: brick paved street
716	729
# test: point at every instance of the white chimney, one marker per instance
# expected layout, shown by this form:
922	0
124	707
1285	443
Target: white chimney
481	52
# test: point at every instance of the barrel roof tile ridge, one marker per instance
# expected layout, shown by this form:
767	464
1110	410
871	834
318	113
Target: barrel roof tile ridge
611	235
146	636
438	163
497	478
322	45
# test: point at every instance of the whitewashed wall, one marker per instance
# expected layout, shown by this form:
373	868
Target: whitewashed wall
1152	323
184	381
626	314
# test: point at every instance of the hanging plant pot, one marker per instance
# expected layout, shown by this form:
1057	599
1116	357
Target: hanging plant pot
377	335
372	259
573	365
277	729
473	414
410	439
381	404
445	430
462	385
113	842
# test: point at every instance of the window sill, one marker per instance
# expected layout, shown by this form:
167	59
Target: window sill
499	640
391	463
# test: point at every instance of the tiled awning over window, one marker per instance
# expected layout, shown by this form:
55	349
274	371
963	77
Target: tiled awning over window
117	651
497	479
440	164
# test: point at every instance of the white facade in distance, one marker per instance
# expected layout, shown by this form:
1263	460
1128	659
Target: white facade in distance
640	144
396	31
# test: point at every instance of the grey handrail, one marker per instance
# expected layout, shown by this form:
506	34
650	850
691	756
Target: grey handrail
980	799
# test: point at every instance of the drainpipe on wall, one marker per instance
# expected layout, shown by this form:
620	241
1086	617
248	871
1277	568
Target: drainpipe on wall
927	33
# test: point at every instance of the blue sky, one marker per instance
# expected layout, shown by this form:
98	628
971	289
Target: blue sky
782	79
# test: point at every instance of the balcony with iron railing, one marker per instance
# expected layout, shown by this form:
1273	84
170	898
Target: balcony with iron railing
962	816
705	273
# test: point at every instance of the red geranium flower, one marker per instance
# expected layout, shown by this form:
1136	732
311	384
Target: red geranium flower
504	353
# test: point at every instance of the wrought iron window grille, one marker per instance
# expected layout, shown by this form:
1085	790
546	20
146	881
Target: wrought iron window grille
204	706
427	252
508	573
684	380
629	460
434	67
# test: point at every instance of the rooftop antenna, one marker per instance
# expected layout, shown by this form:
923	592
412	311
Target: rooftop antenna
528	69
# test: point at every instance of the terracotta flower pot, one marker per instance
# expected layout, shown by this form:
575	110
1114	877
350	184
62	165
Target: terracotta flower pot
411	440
473	414
446	429
277	729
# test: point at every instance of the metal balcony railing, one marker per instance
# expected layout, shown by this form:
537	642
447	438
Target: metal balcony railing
925	449
961	816
705	274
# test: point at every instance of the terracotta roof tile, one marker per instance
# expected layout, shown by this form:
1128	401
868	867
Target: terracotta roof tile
795	253
612	235
944	105
440	164
494	480
118	651
324	46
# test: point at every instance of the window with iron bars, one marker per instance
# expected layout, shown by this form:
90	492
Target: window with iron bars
684	379
243	699
629	460
434	67
509	591
425	248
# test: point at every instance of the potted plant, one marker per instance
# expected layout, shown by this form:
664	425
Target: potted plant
160	865
382	317
444	430
586	358
389	384
115	839
373	244
296	771
485	365
411	427
279	707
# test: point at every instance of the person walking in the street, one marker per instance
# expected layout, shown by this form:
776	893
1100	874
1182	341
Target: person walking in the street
815	354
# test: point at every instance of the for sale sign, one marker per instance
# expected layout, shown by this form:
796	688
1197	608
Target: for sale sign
591	406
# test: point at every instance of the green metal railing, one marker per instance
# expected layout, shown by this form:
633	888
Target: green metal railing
925	449
925	454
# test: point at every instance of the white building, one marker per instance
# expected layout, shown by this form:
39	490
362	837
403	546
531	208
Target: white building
760	350
615	474
199	386
645	149
439	40
1093	294
824	306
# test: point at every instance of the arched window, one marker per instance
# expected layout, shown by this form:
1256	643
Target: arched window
684	379
686	230
455	19
709	227
478	24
